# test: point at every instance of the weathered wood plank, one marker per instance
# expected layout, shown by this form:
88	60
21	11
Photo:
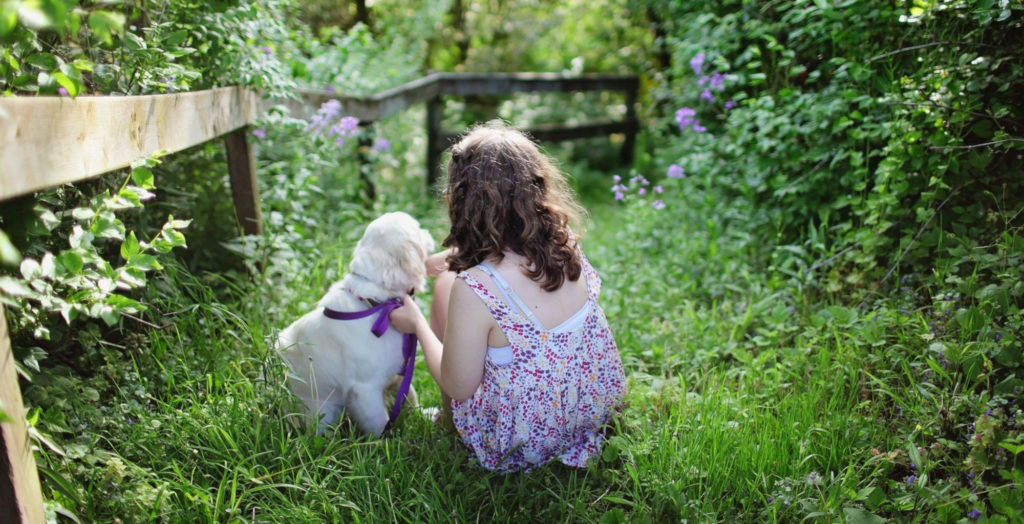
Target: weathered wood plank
244	190
49	141
386	103
506	83
21	499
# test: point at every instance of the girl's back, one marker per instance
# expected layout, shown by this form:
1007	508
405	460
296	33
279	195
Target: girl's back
550	383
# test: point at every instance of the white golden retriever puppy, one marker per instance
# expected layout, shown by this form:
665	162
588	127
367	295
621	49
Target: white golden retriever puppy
339	366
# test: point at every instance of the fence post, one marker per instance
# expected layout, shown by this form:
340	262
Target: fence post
244	190
434	147
629	144
365	167
21	499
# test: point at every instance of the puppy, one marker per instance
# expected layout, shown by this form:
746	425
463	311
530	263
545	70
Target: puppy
340	366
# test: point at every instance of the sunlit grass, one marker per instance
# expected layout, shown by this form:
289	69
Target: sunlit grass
747	401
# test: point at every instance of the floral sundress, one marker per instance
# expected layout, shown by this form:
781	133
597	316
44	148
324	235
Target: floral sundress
549	394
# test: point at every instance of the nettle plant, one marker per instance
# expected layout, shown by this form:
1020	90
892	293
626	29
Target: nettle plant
79	280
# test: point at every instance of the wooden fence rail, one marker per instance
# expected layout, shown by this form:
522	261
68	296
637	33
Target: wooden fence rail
50	141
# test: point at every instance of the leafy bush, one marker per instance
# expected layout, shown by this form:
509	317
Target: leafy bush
76	48
873	147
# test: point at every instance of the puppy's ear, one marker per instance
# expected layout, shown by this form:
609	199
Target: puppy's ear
405	267
427	241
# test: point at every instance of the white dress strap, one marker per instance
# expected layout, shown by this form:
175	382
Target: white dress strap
510	295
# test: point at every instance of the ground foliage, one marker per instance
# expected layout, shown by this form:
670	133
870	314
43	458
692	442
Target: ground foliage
812	268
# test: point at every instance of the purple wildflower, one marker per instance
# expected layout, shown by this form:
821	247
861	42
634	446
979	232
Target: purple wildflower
62	91
381	144
658	204
730	104
685	117
616	179
707	96
703	80
999	336
641	191
675	171
345	127
260	133
619	195
659	190
697	63
328	111
974	514
911	479
267	50
717	81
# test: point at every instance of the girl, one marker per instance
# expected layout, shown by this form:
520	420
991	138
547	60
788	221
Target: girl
528	360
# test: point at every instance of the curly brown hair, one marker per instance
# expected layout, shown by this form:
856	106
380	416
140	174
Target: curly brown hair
504	194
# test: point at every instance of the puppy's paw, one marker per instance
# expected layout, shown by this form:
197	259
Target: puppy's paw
432	414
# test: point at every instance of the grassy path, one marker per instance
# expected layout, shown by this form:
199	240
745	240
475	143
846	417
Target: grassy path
737	410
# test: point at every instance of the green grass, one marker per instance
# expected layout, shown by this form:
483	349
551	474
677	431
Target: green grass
749	400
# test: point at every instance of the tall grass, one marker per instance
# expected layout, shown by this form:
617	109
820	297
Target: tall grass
750	399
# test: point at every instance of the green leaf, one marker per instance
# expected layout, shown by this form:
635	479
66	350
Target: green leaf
132	277
860	516
48	219
82	213
8	17
83	64
130	246
105	24
177	224
71	261
1012	448
176	37
145	262
67	83
123	303
134	42
15	288
143	177
9	254
44	61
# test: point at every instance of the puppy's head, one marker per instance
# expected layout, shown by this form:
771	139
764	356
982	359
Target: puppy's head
392	253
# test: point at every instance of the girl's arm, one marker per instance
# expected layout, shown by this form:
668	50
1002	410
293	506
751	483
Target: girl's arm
457	365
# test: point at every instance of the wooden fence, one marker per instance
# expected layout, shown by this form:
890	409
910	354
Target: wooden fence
50	141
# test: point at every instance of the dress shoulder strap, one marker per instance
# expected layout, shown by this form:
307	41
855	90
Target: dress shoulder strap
593	280
510	294
499	308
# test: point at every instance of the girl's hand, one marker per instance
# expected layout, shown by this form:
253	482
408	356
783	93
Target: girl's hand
407	318
436	263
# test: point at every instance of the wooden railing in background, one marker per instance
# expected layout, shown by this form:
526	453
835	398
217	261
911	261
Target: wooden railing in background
50	141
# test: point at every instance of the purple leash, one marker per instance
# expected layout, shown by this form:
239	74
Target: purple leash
379	327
